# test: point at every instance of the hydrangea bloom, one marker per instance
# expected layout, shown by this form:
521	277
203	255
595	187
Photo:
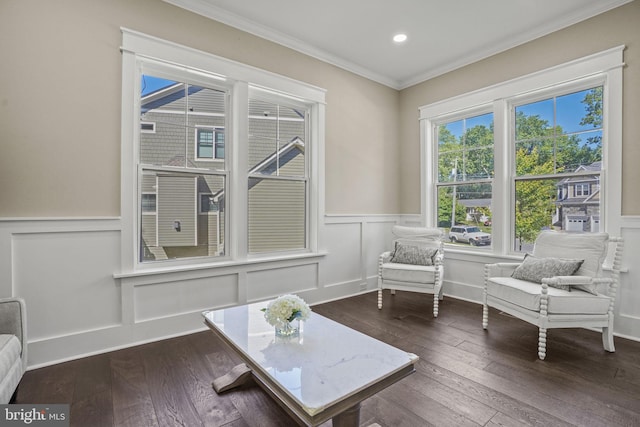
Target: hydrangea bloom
285	309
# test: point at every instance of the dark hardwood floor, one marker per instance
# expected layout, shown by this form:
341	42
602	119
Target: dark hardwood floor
465	376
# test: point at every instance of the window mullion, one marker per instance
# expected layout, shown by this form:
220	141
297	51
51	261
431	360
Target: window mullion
503	170
238	158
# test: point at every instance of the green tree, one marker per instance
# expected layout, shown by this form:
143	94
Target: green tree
565	151
471	154
535	199
593	107
445	199
536	154
482	211
463	159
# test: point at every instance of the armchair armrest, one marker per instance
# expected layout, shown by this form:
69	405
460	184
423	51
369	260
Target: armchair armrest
501	269
438	259
385	257
13	320
569	280
584	283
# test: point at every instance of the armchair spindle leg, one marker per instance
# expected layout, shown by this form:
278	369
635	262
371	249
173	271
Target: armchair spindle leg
435	304
542	343
485	316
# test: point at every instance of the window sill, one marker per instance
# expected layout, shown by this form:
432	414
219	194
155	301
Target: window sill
161	270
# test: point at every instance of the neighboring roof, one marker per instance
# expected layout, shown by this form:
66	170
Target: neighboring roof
269	164
266	166
574	217
475	203
163	96
179	162
593	167
577	201
282	157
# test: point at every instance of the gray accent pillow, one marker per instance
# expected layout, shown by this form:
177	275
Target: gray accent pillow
534	269
408	254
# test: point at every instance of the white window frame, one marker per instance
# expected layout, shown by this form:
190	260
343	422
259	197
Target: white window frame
215	129
448	118
258	93
603	68
584	189
139	53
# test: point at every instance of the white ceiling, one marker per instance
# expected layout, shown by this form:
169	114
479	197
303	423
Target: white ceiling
357	34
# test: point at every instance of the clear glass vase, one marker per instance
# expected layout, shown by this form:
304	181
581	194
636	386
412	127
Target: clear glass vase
289	329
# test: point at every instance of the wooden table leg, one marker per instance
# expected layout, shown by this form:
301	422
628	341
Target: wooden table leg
236	377
348	418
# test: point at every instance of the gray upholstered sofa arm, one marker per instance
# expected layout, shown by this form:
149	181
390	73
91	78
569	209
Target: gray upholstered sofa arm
13	320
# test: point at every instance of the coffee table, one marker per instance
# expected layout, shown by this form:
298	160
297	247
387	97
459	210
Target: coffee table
324	373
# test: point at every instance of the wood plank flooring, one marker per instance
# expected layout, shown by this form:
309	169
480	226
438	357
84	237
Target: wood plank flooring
465	376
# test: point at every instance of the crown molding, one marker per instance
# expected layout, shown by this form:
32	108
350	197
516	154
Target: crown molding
206	9
550	27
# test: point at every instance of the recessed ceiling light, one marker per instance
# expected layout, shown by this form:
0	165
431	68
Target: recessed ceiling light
399	38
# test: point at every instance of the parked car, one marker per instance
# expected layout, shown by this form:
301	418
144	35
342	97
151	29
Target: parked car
469	234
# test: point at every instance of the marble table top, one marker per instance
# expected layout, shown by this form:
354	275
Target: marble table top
326	363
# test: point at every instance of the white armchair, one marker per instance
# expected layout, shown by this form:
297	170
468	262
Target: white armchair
13	346
414	264
560	286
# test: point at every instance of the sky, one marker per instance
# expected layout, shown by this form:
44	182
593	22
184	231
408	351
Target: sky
569	111
150	84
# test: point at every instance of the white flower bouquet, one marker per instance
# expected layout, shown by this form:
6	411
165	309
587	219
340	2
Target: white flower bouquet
285	309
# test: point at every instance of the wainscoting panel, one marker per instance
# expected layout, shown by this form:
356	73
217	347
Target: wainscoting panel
344	252
67	280
268	283
184	296
68	272
628	319
464	275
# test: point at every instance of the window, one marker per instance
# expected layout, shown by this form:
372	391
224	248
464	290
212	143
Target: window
465	173
539	152
582	189
210	143
193	204
147	127
167	157
557	143
209	204
277	202
148	203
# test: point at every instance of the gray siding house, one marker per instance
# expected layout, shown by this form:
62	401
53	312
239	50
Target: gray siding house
183	212
578	201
